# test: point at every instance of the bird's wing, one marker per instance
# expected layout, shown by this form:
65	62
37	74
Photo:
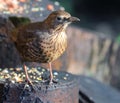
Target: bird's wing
13	34
28	35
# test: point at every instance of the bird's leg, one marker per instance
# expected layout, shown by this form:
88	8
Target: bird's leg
28	79
26	75
51	74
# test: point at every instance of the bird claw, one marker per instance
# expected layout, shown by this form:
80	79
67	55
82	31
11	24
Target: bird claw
30	85
53	81
50	81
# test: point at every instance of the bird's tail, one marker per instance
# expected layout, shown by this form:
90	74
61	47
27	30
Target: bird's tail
5	27
12	24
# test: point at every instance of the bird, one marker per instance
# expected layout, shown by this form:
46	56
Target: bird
43	41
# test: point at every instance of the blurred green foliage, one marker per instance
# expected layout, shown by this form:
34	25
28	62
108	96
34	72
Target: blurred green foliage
18	21
118	39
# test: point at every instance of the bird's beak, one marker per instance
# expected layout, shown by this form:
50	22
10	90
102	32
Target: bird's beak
73	19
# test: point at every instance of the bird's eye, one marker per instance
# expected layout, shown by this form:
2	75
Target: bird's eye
59	18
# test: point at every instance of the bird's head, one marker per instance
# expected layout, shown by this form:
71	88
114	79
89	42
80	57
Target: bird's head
60	19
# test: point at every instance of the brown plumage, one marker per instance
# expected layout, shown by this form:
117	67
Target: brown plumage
43	41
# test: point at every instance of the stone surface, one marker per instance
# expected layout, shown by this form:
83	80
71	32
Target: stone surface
14	89
65	90
92	91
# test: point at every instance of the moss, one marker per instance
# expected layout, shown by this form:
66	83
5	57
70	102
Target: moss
17	21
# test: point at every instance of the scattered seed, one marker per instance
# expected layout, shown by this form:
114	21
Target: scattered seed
39	79
65	78
11	68
34	77
67	75
5	71
43	70
55	73
12	81
27	85
36	81
18	69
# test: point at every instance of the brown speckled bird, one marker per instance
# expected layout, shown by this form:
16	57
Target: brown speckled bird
43	41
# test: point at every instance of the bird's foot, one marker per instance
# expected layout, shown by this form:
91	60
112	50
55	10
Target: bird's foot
50	81
27	89
53	81
30	84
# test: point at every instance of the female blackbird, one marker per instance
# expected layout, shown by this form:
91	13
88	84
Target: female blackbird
43	41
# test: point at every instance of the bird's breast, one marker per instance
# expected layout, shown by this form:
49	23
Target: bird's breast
54	46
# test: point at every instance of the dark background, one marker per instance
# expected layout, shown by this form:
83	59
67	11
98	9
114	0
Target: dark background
98	15
103	18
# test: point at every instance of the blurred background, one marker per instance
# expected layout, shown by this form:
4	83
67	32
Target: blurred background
93	43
